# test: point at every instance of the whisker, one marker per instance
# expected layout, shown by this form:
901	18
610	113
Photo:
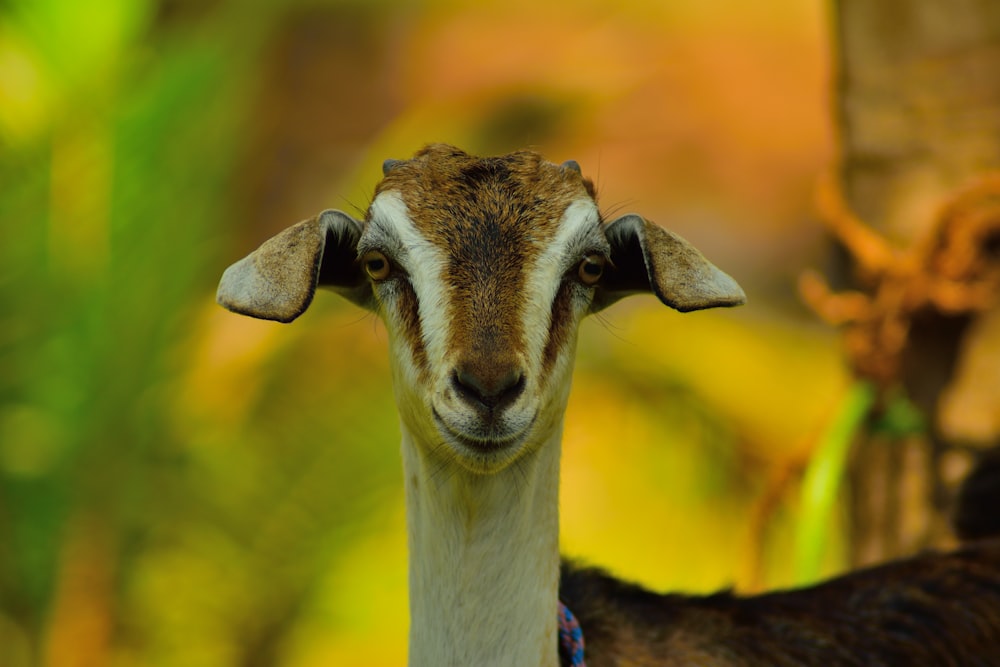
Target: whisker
360	212
362	316
613	210
612	328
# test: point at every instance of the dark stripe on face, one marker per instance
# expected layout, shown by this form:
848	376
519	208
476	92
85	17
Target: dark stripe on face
409	324
560	327
486	271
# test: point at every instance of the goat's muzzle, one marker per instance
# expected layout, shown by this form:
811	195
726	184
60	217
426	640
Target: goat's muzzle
488	392
482	407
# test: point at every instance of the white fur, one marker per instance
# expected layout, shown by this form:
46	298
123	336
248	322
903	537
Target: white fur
484	561
543	282
424	263
483	529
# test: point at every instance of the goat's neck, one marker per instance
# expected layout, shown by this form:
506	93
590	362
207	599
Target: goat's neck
484	559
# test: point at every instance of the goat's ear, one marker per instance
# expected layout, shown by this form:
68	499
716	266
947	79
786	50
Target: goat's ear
277	281
646	258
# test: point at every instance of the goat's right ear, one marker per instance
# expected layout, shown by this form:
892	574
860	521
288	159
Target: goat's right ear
278	280
646	258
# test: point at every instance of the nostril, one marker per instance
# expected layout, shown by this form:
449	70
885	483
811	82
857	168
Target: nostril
489	390
466	385
513	389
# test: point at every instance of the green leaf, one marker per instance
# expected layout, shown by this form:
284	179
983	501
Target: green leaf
822	481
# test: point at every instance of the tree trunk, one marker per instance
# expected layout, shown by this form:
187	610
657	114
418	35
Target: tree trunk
918	112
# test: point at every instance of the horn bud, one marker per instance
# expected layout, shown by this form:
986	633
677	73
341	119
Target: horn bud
390	165
571	165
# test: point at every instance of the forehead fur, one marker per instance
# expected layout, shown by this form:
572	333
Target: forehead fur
452	195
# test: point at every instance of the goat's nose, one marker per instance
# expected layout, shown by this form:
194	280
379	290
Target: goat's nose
490	389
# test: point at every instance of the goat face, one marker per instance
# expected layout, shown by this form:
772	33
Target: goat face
481	269
478	273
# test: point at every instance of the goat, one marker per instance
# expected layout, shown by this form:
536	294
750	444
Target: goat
482	269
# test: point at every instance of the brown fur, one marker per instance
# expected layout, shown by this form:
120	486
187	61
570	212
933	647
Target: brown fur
494	216
561	328
932	610
409	313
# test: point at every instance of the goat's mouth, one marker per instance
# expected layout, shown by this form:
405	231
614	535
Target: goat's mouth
486	439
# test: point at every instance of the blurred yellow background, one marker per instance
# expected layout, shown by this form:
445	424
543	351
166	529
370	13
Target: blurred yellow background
183	487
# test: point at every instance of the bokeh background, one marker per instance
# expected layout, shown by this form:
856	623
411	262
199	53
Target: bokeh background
180	486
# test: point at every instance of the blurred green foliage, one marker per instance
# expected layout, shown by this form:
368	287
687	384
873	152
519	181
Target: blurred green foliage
179	486
113	520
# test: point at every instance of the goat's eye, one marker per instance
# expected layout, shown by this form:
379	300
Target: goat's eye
376	265
591	269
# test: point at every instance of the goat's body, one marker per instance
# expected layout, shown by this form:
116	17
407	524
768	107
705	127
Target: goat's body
482	269
933	610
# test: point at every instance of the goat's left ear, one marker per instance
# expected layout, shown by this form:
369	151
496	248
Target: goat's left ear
278	280
646	258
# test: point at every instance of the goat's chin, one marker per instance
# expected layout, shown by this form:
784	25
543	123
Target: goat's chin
480	448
